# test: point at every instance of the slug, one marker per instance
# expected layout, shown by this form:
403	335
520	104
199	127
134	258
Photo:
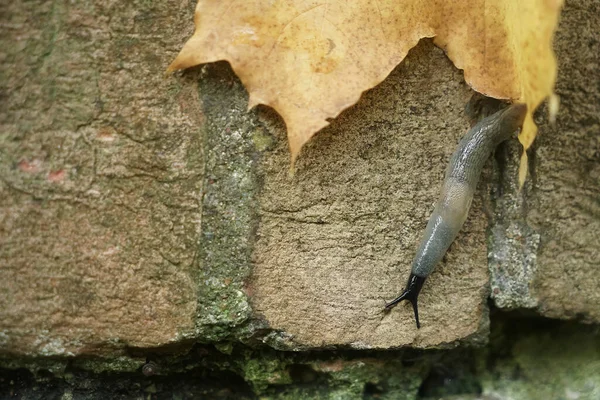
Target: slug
452	207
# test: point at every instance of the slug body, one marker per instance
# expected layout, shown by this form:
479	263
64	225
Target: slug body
458	188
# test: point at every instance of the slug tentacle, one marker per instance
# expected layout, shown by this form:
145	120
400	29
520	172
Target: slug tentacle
411	294
457	192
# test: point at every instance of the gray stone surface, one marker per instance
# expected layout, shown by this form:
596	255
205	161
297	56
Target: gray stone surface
336	240
330	239
565	202
545	241
562	364
101	170
138	211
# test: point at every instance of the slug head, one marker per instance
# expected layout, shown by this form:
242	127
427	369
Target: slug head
410	293
512	117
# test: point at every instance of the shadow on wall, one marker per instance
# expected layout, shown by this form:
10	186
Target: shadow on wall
527	358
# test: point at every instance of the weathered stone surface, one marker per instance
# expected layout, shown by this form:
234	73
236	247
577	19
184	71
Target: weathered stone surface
545	243
233	140
561	363
138	211
332	241
100	178
566	199
337	240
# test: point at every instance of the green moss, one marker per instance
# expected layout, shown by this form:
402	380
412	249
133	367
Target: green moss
224	347
541	361
373	378
264	372
562	364
231	184
262	140
352	379
58	366
118	364
55	366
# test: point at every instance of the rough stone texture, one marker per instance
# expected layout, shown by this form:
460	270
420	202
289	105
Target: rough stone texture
337	240
526	359
100	178
242	374
233	143
512	243
138	211
545	241
561	363
566	200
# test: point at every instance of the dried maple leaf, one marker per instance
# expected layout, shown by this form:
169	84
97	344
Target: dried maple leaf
310	60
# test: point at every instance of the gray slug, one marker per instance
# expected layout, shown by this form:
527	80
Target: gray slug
454	202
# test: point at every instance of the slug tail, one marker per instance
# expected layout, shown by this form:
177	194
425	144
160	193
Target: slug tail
411	294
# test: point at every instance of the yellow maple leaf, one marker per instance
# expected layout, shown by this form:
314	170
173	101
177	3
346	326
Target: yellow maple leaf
310	60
